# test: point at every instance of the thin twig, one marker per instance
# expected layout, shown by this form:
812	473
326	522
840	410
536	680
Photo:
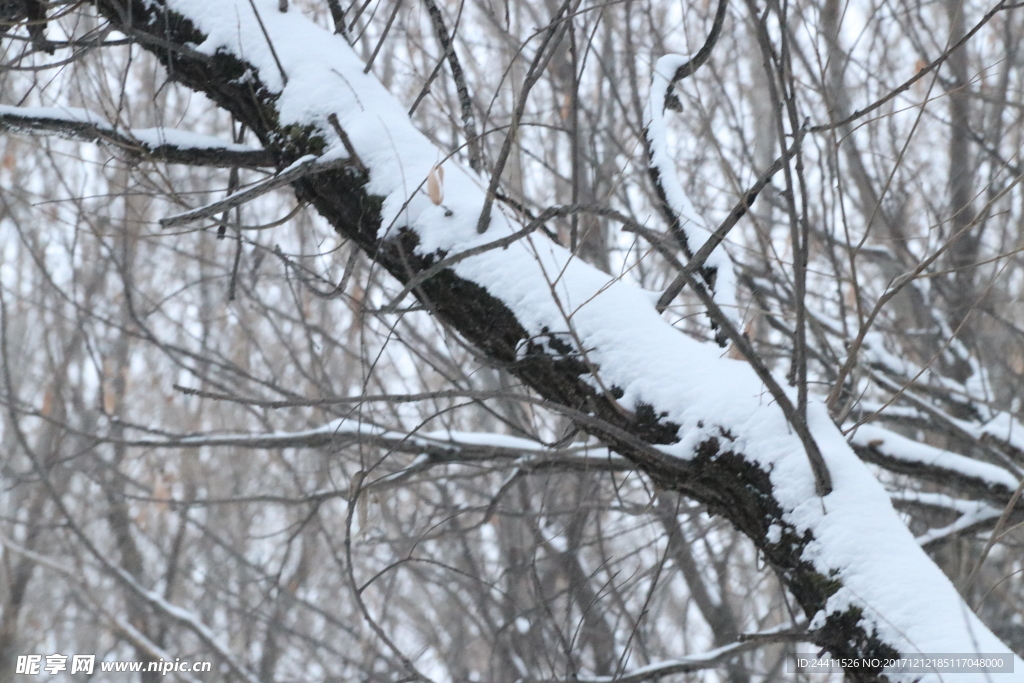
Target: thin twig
466	102
546	215
822	478
306	168
383	36
559	25
333	120
916	77
270	43
233	283
993	537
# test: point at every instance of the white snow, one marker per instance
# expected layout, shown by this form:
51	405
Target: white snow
693	224
184	139
69	114
1006	428
897	446
150	137
971	512
857	533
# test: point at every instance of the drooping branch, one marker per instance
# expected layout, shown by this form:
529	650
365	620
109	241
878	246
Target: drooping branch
690	66
696	262
685	224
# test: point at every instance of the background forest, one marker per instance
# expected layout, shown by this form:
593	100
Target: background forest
240	439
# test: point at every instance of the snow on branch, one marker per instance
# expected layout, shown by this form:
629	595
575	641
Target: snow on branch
695	421
972	516
689	227
1005	430
431	449
965	524
900	454
1000	436
158	144
448	445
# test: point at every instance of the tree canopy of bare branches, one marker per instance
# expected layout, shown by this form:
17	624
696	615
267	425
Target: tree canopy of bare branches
410	340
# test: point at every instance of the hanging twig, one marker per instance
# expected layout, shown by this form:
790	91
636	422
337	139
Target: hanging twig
699	59
355	160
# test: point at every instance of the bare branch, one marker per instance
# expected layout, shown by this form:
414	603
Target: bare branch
302	168
154	144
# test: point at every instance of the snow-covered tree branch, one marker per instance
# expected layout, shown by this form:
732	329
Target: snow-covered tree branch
716	411
571	333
